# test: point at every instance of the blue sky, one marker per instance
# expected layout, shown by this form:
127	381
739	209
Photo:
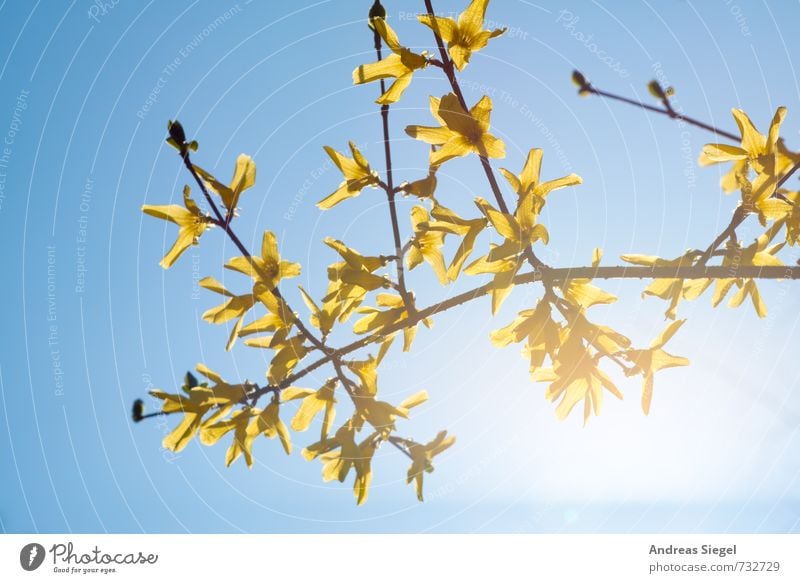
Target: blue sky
90	321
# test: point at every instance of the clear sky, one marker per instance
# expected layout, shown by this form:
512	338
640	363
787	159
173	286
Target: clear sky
90	321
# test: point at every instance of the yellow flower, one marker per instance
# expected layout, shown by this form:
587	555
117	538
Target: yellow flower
244	177
449	222
341	453
288	352
198	400
243	438
755	146
576	377
313	402
670	288
651	360
504	270
581	293
357	176
234	307
787	211
247	424
765	154
380	414
321	318
426	245
465	36
269	269
191	222
350	280
268	423
424	187
758	254
528	184
520	231
363	467
367	370
422	458
377	320
278	317
400	65
460	132
538	328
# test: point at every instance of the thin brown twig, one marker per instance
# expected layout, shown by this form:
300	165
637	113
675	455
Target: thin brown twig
450	73
332	354
226	226
666	110
550	276
555	276
390	191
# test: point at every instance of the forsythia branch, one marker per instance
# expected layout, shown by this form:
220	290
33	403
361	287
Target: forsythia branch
562	345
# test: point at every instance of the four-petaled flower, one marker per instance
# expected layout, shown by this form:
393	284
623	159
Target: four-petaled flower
244	177
649	361
357	176
269	269
191	220
422	458
765	154
460	132
400	65
464	36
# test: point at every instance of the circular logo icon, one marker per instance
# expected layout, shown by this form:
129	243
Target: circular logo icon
31	556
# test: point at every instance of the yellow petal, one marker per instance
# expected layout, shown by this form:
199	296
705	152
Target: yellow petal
444	27
395	90
456	147
752	141
715	153
414	400
430	135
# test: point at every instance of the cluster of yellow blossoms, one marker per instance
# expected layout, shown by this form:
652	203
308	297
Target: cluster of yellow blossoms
562	345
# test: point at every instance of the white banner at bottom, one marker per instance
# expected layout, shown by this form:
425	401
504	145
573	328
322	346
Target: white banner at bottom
400	558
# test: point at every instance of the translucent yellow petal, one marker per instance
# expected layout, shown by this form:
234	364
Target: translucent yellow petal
715	153
444	27
244	177
667	334
391	66
529	177
340	194
752	141
414	400
171	212
456	147
395	90
185	240
492	147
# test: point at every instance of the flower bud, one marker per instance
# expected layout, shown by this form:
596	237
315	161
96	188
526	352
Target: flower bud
377	11
189	382
655	89
176	132
177	137
137	413
581	83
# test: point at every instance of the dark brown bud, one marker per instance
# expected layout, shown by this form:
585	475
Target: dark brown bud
377	11
137	413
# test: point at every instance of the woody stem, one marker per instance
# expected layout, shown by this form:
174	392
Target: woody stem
450	73
390	191
550	276
666	110
225	224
